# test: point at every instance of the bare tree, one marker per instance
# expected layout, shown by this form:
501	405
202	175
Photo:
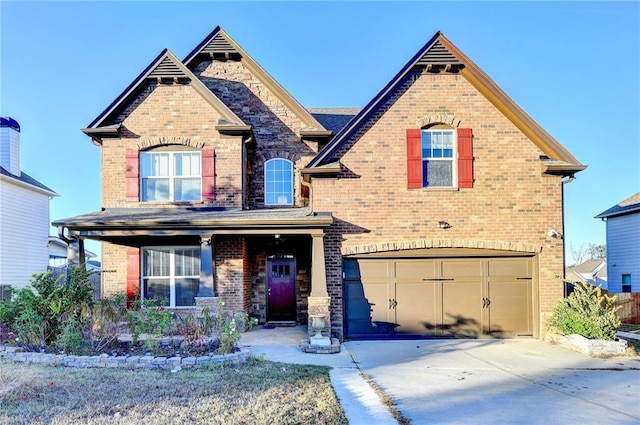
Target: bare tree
578	254
595	250
587	252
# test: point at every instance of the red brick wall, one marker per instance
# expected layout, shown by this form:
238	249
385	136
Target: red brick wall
510	202
275	127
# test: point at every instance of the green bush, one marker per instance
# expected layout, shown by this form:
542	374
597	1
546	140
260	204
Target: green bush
587	312
40	313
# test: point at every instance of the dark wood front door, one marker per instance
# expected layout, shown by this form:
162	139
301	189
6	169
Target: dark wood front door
281	290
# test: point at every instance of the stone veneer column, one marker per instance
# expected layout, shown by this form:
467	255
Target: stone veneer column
319	299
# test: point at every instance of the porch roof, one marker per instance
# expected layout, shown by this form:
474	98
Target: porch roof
175	221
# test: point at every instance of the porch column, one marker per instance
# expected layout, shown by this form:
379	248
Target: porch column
319	300
318	272
206	267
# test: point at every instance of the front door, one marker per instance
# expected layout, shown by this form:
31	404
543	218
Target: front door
281	290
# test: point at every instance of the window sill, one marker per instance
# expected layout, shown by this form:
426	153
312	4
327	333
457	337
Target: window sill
441	189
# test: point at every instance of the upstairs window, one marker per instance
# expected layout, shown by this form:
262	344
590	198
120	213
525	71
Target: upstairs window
438	168
439	157
170	176
278	182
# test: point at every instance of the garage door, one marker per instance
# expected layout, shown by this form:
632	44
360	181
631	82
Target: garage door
454	297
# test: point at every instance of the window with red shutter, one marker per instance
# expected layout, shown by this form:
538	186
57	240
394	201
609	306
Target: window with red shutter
431	158
132	175
208	175
414	159
133	275
465	158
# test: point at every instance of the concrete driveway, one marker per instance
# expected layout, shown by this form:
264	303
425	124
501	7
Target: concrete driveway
501	382
517	381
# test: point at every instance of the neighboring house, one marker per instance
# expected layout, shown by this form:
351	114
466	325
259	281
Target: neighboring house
58	250
24	213
592	272
426	212
623	245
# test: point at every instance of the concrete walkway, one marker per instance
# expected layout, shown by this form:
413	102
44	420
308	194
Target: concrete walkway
468	381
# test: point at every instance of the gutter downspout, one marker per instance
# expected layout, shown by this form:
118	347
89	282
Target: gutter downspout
565	180
74	255
308	185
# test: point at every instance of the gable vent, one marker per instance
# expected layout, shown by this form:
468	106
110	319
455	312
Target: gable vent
167	69
438	55
219	45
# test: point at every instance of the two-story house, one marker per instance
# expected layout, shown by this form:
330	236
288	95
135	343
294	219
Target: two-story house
623	244
426	212
24	214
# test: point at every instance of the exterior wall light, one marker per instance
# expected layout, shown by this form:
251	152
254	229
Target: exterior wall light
443	225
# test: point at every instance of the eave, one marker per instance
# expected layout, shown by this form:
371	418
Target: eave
25	185
440	55
164	68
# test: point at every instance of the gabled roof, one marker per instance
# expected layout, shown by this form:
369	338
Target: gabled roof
628	206
440	53
218	44
164	66
27	181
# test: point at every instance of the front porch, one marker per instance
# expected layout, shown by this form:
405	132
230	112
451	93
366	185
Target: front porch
268	263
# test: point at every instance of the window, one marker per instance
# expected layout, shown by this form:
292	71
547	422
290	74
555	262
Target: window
278	182
437	158
626	283
170	176
171	275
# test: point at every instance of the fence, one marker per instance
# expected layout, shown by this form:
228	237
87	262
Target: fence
630	307
94	280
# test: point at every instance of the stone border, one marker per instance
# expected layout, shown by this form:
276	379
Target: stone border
592	347
17	354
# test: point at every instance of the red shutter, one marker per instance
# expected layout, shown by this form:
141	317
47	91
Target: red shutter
208	175
132	174
133	275
414	159
465	158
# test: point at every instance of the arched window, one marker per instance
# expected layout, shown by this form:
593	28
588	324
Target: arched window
278	182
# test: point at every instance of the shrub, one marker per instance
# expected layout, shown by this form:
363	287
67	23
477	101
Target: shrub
587	312
150	318
38	314
106	316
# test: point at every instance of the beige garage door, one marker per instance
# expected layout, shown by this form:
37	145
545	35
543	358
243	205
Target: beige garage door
460	297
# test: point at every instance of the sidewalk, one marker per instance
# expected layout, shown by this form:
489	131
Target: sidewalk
359	401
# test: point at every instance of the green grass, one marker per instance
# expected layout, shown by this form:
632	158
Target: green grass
258	392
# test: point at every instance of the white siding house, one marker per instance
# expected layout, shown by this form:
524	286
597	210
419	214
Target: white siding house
24	214
623	245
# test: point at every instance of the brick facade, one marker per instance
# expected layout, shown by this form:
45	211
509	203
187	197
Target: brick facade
510	207
511	204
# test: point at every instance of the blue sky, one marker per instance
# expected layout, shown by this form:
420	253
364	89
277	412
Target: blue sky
574	67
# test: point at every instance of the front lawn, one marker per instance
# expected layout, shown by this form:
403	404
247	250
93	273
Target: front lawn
258	392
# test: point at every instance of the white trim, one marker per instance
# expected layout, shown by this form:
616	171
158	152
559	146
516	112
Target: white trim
453	159
172	270
171	174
